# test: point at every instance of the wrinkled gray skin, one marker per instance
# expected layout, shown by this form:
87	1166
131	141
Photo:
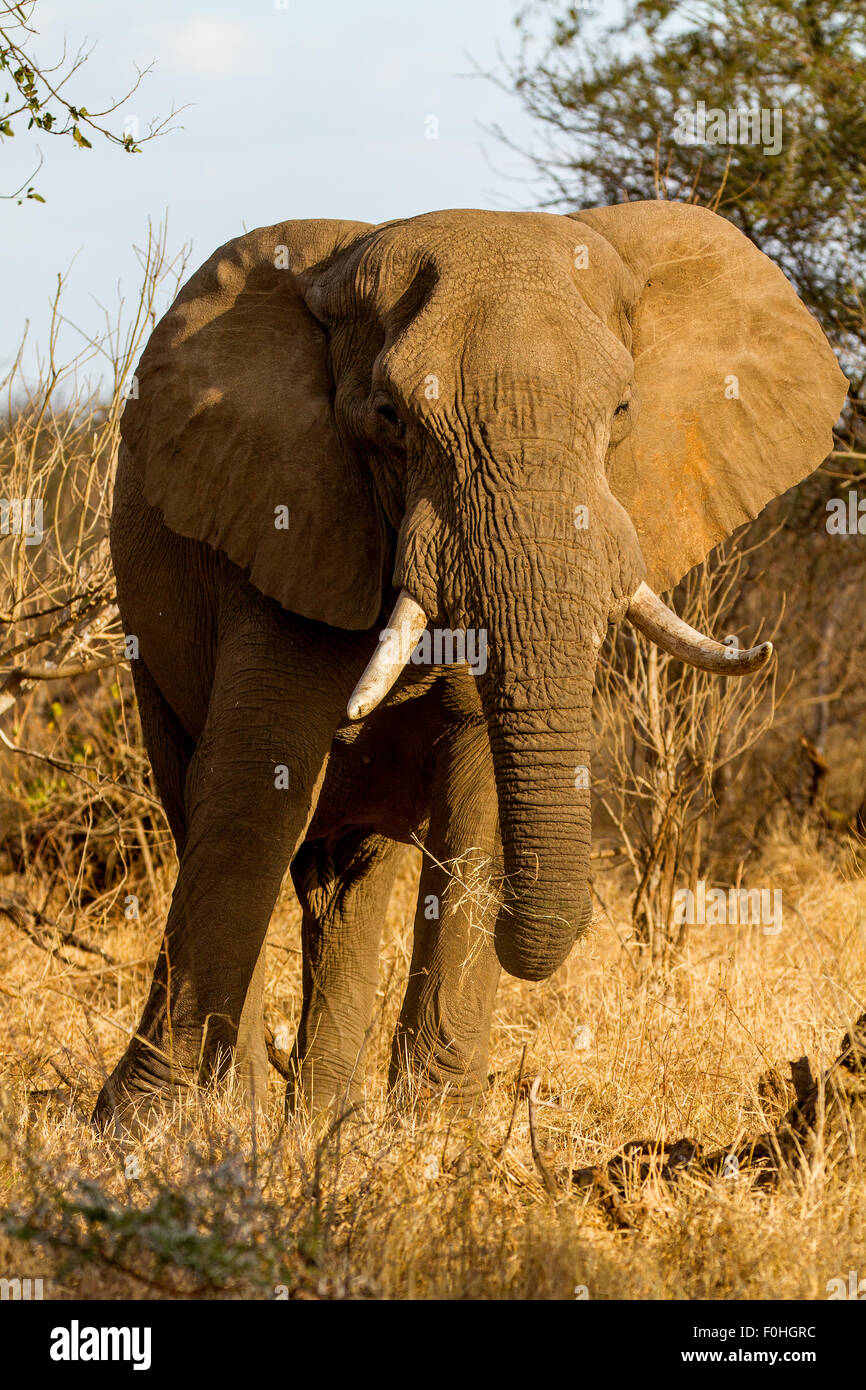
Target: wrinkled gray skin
432	400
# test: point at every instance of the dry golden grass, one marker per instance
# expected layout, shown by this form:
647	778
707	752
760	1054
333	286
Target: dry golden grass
426	1203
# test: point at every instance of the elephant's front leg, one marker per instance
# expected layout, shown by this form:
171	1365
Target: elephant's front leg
343	888
442	1037
249	793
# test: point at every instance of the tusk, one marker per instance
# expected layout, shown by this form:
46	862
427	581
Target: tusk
396	644
658	622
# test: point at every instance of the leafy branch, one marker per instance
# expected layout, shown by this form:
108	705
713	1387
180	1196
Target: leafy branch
38	96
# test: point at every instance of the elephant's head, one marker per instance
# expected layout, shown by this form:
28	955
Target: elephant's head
527	423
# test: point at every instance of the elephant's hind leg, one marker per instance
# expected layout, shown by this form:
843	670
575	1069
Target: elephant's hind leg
442	1037
343	889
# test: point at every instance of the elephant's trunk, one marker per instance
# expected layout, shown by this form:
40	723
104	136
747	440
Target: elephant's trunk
543	593
541	760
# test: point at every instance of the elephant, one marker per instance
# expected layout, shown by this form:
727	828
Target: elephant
348	442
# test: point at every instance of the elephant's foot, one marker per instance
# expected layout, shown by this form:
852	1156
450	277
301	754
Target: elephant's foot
124	1110
324	1091
147	1081
429	1070
420	1091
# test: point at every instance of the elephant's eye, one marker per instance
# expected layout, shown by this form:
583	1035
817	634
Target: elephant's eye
387	413
623	417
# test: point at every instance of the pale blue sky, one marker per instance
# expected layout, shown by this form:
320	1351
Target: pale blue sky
315	109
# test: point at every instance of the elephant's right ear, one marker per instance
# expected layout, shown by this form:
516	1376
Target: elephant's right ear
739	389
232	428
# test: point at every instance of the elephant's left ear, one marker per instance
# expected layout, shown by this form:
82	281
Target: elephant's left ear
739	388
232	428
